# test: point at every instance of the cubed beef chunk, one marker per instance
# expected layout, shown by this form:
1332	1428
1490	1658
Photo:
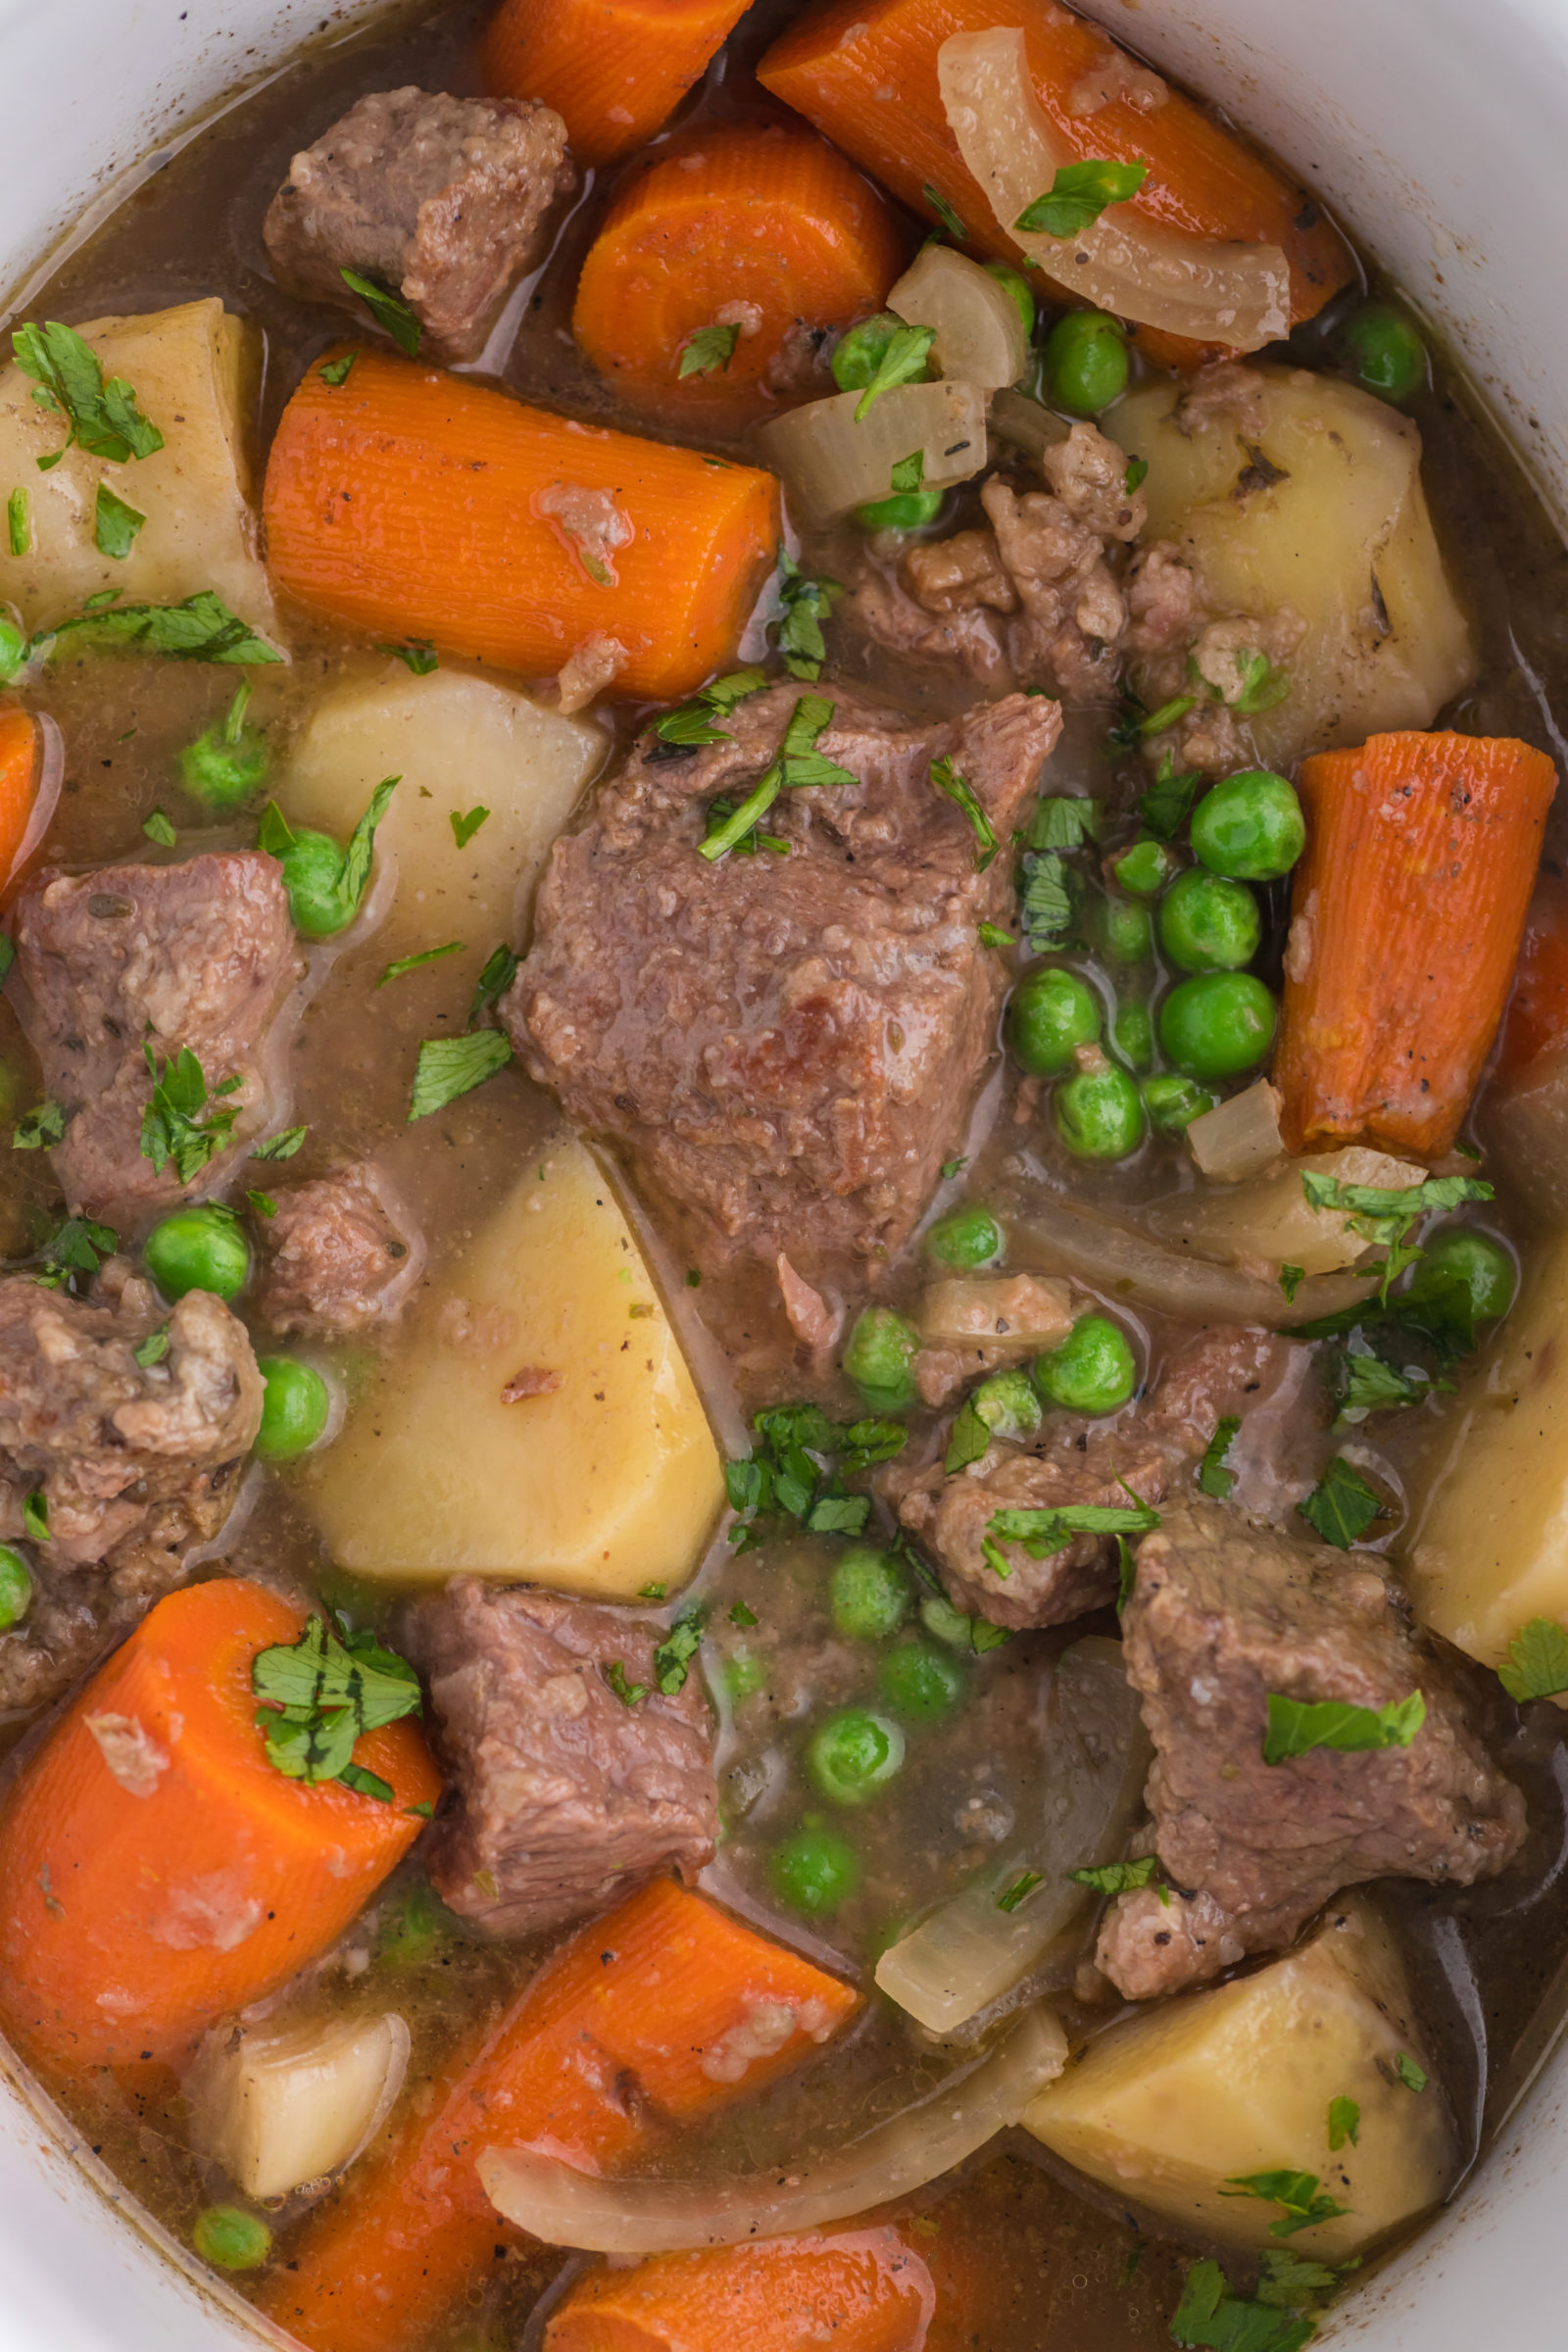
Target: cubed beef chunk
567	1794
1224	1612
155	957
339	1256
442	200
787	1043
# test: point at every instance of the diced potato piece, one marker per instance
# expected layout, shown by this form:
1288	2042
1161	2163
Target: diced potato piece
1269	1219
608	1482
194	370
459	743
1491	1550
1193	2092
1023	1310
1343	539
279	2106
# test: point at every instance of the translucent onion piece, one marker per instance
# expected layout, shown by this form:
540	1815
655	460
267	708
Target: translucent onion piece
980	337
1238	295
1269	1221
985	1310
829	464
1136	1270
1026	423
969	1953
280	2105
552	2200
1239	1138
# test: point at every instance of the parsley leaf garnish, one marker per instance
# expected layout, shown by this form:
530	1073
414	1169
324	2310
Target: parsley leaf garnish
991	935
336	372
104	418
1048	913
158	827
282	1146
1387	1217
798	631
418	656
152	1348
201	629
1538	1661
1022	1888
18	527
710	349
1167	804
676	1652
690	723
909	472
1044	1532
36	1516
945	212
178	1123
903	361
1295	1726
799	763
1136	475
389	310
499	972
320	1695
1079	194
968	1440
1210	2315
115	525
1123	1878
1361	1382
1263	687
1212	1476
958	789
1407	2072
1300	2193
78	1247
630	1695
790	1475
1065	822
1344	2124
1289	2280
449	1066
38	1128
411	963
1342	1506
464	828
1290	1280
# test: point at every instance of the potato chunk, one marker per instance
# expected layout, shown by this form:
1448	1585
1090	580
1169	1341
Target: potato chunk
602	1483
277	2106
1324	512
1191	2093
459	743
194	370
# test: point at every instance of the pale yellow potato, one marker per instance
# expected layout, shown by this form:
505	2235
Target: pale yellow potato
1349	512
457	743
1491	1550
280	2105
194	370
610	1482
1268	1220
1190	2094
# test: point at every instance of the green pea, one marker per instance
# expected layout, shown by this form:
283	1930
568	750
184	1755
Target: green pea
878	1360
858	353
1173	1102
230	2238
1120	929
1386	351
1132	1036
743	1678
1052	1014
868	1594
223	772
920	1681
313	869
1018	290
199	1249
1100	1114
1250	827
1092	1371
1085	362
1144	870
970	1236
1219	1024
1461	1259
905	511
16	1587
294	1408
814	1871
408	1936
1008	1405
853	1755
1207	924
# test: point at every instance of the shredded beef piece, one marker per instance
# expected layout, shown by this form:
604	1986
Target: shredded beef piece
785	1044
566	1795
339	1258
892	617
443	200
1223	1612
1227	395
953	575
150	955
1164	601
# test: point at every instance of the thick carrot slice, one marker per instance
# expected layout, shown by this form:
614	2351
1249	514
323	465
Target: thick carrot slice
644	2017
760	230
612	69
157	1870
864	2290
416	505
864	72
1538	1011
21	771
1408	908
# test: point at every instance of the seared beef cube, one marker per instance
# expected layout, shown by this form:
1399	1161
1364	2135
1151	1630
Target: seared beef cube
339	1256
161	956
441	200
787	1043
1224	1613
567	1795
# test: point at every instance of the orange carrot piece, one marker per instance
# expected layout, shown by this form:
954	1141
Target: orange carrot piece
864	2290
761	228
1408	908
1538	1011
21	770
159	1871
612	69
638	2021
864	72
413	503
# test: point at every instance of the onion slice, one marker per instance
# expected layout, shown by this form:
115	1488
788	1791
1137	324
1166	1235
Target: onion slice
1132	1269
1240	1135
544	2195
980	332
1212	292
829	464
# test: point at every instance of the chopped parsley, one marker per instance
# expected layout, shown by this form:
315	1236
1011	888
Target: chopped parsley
411	963
464	828
951	1169
320	1694
1290	1280
1296	1726
676	1651
958	789
740	1614
945	212
630	1695
799	764
652	1591
201	629
178	1123
389	311
77	1248
1136	475
1155	722
1263	687
1078	195
708	350
807	602
1044	1532
1408	2074
499	972
449	1066
38	1128
1065	822
104	419
1123	1878
160	828
275	835
1048	913
1214	1478
1022	1888
1210	2315
1168	802
691	725
903	361
1538	1661
1126	1573
1301	2195
991	935
1342	1506
1344	2124
1287	2281
418	656
336	372
152	1348
35	1515
263	1204
968	1440
282	1146
909	472
1360	1381
798	1468
115	525
1385	1217
19	527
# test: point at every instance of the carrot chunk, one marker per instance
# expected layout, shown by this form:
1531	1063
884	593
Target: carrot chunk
1407	913
1538	1011
413	503
864	72
612	69
22	769
159	1871
864	2290
640	2020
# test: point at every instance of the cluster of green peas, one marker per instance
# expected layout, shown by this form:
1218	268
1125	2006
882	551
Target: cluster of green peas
203	1247
1216	1023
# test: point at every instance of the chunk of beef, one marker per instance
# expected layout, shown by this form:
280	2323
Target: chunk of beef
339	1258
161	956
1222	1613
443	200
568	1795
787	1043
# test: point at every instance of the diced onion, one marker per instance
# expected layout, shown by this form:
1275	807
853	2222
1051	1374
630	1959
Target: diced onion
980	335
969	1953
829	464
552	2200
280	2105
1239	1138
989	1310
1238	295
1132	1269
1269	1220
1027	423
